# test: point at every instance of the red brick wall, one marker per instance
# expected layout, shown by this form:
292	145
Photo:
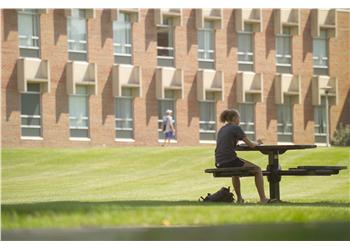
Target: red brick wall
55	117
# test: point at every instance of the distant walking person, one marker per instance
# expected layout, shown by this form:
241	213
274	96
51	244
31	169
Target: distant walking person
168	127
226	157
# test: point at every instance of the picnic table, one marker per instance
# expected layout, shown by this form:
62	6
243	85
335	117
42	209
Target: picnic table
274	171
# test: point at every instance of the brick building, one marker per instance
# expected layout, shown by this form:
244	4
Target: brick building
89	77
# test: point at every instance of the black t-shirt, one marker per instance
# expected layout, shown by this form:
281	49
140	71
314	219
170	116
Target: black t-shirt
226	142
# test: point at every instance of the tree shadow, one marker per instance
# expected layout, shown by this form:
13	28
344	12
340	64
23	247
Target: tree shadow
59	24
190	27
76	206
107	99
61	96
106	26
63	207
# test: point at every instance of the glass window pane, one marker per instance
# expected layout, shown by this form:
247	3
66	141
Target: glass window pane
33	88
247	118
245	42
124	108
30	104
33	132
30	121
78	112
285	120
207	123
320	117
80	133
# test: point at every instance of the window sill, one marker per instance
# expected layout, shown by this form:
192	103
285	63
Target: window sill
207	142
123	140
285	143
321	144
171	141
32	138
79	139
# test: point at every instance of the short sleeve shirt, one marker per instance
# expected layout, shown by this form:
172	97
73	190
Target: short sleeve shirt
226	142
169	121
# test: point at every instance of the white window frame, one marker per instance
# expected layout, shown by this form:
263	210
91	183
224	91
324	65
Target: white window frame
289	56
83	118
245	124
207	122
287	124
71	41
170	29
246	53
322	58
210	52
32	116
124	119
123	46
317	125
33	38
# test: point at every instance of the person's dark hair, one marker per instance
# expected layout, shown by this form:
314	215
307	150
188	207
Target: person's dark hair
228	115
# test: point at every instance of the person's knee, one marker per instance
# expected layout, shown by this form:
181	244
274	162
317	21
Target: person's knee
256	170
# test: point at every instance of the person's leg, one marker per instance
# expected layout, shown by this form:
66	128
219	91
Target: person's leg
237	187
259	180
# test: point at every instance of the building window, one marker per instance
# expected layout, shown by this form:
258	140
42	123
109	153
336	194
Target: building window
122	39
28	33
124	114
79	113
77	35
165	43
31	112
245	49
320	54
247	112
206	46
285	121
168	102
207	119
320	122
283	51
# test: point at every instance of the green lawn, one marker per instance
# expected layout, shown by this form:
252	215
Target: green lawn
146	186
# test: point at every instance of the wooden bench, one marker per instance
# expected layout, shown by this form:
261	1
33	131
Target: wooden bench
298	171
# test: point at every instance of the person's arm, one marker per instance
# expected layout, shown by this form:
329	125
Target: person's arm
250	143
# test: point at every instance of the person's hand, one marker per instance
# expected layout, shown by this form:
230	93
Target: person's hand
259	141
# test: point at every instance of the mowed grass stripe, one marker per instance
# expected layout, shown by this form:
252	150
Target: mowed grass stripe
157	186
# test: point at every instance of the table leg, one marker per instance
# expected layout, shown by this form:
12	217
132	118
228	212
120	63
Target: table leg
274	179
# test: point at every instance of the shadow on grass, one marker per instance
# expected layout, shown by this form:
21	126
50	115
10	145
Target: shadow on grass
252	232
72	206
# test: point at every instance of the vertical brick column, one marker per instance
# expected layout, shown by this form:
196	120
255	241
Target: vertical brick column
145	55
187	59
265	63
339	66
11	108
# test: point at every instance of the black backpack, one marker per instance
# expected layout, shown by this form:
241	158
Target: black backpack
223	195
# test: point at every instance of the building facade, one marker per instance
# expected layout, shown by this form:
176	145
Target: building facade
90	77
